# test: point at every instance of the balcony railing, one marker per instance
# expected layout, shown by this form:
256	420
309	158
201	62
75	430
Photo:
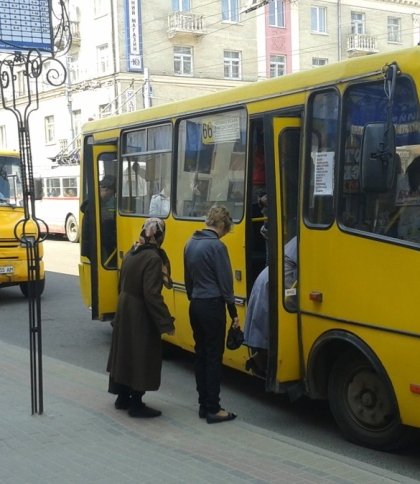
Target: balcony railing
181	23
75	33
359	44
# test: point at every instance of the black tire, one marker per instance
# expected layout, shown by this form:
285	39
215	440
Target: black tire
40	286
72	229
363	404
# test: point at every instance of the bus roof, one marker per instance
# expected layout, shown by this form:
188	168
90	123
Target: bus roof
11	153
325	75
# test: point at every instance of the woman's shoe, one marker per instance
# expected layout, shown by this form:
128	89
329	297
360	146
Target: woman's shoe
202	411
143	411
221	416
122	402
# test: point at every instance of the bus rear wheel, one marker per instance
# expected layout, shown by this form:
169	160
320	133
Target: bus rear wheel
40	285
363	404
72	229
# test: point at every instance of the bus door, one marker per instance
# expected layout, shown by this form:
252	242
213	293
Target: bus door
99	267
282	249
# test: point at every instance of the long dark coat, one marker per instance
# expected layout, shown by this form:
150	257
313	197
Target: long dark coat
135	358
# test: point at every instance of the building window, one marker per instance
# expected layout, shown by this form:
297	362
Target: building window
77	122
181	5
319	61
230	10
3	139
319	19
102	58
232	64
49	126
21	83
183	61
394	29
277	65
100	7
73	68
357	23
276	13
104	110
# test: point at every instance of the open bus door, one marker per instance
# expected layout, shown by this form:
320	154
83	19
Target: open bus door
283	358
98	269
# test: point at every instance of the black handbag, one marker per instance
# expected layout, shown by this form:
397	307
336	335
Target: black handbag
235	337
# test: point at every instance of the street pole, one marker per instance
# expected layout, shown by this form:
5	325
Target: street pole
29	57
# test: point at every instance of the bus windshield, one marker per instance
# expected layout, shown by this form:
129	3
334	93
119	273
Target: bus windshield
11	191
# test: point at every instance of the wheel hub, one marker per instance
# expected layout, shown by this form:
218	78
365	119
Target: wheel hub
368	399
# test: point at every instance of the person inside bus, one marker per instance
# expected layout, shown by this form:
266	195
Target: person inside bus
108	225
4	185
409	216
256	327
209	286
135	358
159	203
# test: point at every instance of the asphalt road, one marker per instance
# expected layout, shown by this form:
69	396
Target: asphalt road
70	335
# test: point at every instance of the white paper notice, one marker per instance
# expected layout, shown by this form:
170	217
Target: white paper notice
324	173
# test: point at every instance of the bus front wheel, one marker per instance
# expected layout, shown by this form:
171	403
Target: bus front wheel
363	404
40	285
72	229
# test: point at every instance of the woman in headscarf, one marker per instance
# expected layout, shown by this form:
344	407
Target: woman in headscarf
135	359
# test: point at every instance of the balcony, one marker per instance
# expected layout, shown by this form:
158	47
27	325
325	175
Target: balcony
62	37
184	24
361	44
75	33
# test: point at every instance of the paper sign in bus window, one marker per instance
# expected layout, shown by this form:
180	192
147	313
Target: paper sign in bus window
324	173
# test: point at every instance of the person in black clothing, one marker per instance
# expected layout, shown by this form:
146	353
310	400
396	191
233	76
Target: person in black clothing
209	285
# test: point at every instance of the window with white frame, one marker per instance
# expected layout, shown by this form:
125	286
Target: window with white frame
319	19
102	58
183	61
104	110
319	61
276	13
77	122
277	65
73	67
3	139
357	23
394	29
21	83
49	127
100	7
232	64
230	10
181	5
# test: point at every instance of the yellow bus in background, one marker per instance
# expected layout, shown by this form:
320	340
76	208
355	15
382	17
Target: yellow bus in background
340	168
13	256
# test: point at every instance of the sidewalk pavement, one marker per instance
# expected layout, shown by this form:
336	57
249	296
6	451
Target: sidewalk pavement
82	438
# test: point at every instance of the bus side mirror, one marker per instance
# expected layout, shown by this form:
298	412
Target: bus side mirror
378	158
38	188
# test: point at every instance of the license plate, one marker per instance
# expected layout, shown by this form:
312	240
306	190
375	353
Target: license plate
6	269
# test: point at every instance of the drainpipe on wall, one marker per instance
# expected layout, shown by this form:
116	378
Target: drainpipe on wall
339	30
114	58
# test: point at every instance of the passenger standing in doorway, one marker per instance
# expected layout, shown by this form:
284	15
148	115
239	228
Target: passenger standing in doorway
257	322
107	188
209	285
135	359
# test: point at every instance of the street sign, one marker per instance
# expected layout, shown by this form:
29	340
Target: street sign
26	25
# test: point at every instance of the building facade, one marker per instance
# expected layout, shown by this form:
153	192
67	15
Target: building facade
133	54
